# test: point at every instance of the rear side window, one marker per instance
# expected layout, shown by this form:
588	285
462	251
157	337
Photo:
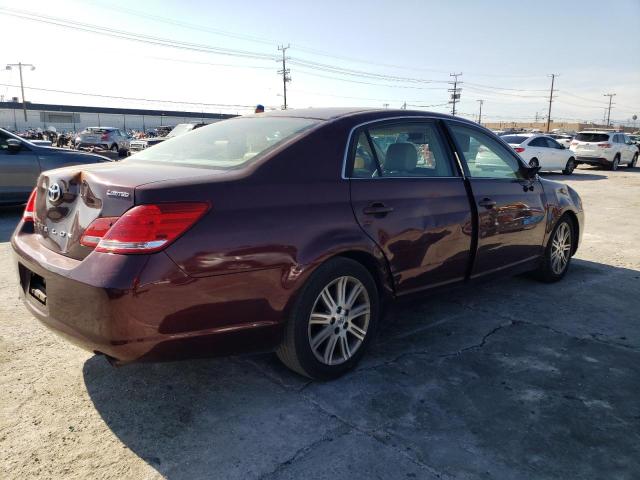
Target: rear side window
364	162
538	142
412	149
514	139
592	137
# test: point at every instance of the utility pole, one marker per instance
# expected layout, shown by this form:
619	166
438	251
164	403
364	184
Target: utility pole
536	117
404	106
480	113
284	72
20	65
553	78
455	91
610	95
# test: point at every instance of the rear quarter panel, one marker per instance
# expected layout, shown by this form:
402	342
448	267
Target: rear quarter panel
290	212
560	200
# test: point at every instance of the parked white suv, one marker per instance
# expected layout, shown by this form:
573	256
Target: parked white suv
601	147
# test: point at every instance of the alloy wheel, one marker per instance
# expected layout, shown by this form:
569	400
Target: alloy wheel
339	320
561	248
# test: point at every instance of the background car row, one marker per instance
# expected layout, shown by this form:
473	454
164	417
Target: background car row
563	152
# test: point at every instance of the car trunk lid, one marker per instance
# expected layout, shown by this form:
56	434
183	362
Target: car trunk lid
69	199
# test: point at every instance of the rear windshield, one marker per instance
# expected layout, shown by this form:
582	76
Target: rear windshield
226	144
180	129
515	139
592	137
97	130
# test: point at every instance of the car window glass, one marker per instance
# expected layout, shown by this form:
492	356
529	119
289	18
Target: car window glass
485	156
364	163
538	142
3	141
410	150
551	143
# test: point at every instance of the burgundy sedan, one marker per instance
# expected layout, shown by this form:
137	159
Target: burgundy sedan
283	231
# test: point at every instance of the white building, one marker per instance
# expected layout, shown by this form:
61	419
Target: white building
75	118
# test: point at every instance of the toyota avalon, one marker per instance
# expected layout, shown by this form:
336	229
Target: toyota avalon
284	231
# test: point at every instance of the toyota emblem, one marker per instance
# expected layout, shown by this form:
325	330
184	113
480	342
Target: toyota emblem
54	193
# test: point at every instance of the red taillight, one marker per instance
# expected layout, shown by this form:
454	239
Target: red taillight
143	229
574	143
96	231
30	209
519	149
604	145
105	136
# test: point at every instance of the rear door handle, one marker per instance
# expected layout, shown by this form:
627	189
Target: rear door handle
377	209
487	203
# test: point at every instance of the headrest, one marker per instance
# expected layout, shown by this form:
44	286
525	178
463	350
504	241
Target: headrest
401	157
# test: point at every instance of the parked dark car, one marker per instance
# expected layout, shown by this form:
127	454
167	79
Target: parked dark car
22	161
283	231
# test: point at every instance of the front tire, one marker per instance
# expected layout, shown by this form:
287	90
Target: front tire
569	167
557	254
332	321
633	162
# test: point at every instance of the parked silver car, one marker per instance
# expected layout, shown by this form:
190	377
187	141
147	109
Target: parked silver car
22	161
105	138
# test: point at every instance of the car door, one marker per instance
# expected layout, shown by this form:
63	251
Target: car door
18	171
538	149
410	199
557	154
511	212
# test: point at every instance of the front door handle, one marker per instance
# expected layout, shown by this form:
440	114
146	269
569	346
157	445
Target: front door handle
487	203
377	209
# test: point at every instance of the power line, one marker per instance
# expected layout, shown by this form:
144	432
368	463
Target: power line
98	95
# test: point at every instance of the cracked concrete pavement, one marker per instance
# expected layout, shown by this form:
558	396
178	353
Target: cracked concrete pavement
514	379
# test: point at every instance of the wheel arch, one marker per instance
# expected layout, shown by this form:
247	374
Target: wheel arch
573	218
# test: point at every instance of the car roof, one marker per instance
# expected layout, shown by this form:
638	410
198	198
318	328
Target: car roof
599	131
335	113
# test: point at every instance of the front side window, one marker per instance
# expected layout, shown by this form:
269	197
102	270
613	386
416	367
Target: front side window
485	156
226	144
412	149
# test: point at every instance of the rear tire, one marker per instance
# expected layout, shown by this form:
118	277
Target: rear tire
114	148
534	162
332	321
632	163
614	165
557	254
569	167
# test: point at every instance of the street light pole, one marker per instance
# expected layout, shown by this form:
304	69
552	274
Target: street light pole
20	65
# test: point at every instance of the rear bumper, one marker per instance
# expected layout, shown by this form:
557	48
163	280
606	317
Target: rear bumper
104	146
593	160
134	307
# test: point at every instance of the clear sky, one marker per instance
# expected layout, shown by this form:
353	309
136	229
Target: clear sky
343	53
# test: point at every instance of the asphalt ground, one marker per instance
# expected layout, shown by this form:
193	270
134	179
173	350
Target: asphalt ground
512	380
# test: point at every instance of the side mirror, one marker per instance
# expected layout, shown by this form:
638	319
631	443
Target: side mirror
13	145
530	173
